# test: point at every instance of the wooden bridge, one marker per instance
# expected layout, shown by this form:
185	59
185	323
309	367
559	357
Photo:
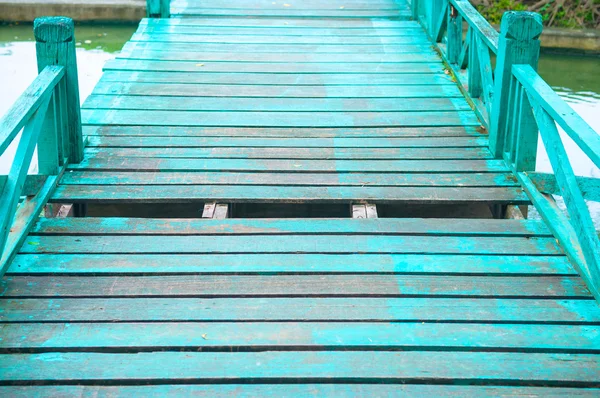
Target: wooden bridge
227	174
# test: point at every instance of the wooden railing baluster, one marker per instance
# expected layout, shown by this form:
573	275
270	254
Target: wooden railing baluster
454	26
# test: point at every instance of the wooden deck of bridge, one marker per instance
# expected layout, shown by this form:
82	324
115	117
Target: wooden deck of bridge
330	102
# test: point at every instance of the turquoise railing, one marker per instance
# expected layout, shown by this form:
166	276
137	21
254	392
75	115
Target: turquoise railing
48	117
538	107
158	8
517	106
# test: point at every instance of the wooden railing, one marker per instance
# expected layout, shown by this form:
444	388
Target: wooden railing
469	56
48	117
538	107
158	8
517	106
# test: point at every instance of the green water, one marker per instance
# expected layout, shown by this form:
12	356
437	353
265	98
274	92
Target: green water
107	38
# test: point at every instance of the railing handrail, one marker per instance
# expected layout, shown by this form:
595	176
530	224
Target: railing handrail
476	21
28	102
586	138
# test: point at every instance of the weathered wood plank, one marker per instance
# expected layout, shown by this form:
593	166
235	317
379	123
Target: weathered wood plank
530	369
293	286
349	5
280	119
340	31
333	143
197	103
412	55
322	335
288	23
291	244
298	43
330	79
271	68
381	226
291	13
299	165
294	390
313	179
280	132
286	194
301	309
356	153
282	263
290	91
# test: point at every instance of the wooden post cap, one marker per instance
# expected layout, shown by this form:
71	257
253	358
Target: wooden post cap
53	29
521	25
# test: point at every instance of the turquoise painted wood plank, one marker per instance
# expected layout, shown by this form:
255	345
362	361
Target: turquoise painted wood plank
383	132
291	244
245	50
331	79
299	165
380	226
326	336
280	119
258	67
305	4
301	309
409	336
283	91
319	143
298	39
536	369
203	286
282	263
340	31
294	390
288	23
286	194
294	153
425	55
274	104
290	13
314	179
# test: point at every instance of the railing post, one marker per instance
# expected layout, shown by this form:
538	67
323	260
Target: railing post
55	45
414	6
518	44
158	8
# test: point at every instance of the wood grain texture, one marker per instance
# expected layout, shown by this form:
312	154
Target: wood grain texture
229	105
291	390
286	263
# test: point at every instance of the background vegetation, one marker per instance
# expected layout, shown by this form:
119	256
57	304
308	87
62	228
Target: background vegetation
556	13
